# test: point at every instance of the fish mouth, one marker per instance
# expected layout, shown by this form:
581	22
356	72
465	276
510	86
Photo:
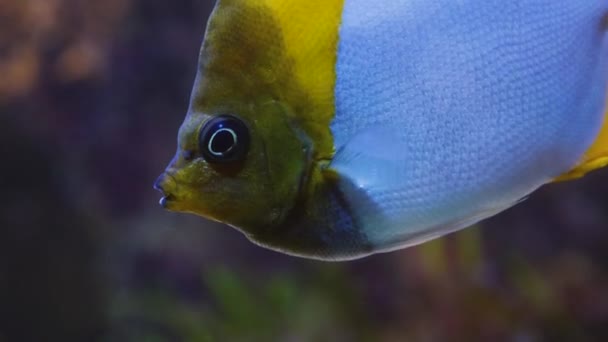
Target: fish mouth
165	200
164	183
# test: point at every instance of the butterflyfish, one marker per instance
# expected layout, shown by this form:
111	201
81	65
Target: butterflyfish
336	129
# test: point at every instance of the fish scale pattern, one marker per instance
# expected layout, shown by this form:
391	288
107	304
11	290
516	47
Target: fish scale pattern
448	111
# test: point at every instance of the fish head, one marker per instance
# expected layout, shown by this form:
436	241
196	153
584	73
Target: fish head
241	166
259	114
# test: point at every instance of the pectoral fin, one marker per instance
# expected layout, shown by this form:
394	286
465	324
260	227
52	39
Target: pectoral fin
596	156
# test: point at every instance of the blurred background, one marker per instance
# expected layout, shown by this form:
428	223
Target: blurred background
91	96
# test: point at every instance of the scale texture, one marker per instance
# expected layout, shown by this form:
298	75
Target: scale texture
449	111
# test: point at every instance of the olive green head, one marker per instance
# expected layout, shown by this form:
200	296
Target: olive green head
259	114
234	169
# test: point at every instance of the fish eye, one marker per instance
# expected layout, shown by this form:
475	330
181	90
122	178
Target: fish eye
224	139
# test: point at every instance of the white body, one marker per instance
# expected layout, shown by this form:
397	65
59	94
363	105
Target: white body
449	111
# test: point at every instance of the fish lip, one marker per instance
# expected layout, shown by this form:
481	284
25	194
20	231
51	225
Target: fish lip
165	200
161	185
158	184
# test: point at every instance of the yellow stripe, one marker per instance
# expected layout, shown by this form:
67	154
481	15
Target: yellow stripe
282	50
310	33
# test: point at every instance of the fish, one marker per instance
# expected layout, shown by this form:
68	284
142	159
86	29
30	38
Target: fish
337	129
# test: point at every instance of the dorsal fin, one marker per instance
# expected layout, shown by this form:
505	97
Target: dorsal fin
596	156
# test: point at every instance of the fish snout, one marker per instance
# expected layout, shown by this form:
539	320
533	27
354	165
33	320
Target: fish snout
166	184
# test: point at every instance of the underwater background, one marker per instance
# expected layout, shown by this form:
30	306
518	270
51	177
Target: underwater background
91	96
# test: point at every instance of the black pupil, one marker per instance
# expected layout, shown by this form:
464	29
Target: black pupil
222	141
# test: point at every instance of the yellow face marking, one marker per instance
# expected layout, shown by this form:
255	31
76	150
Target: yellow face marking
306	25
